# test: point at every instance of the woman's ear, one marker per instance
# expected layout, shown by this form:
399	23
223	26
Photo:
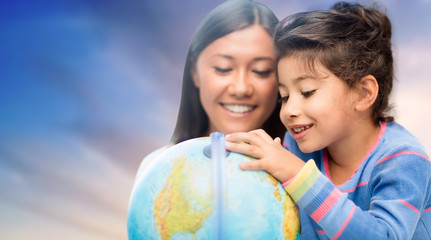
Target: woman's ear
368	89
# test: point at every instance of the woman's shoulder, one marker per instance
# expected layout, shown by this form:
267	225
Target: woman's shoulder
149	159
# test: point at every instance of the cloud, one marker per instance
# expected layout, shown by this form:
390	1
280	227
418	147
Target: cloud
412	88
64	179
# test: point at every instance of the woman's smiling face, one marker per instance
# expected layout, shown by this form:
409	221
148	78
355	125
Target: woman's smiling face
237	80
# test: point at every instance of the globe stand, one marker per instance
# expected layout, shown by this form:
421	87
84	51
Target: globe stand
218	158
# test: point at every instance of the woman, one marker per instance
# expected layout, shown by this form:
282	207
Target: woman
195	118
229	81
229	85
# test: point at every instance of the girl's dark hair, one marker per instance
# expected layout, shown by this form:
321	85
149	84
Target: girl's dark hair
228	17
350	40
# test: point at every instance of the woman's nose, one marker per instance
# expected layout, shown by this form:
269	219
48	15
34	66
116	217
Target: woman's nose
241	85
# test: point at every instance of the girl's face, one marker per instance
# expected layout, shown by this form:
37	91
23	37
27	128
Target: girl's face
317	107
237	82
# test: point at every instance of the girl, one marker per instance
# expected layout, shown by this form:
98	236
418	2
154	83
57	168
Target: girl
352	170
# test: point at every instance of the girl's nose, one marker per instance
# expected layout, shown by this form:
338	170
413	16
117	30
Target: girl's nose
241	86
290	109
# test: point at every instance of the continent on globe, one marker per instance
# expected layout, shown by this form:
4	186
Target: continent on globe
179	196
178	200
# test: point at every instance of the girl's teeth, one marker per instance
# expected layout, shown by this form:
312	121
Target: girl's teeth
238	108
298	130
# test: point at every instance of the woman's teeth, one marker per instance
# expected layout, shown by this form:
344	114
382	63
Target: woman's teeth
238	108
300	129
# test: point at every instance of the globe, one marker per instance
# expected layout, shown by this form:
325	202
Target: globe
195	190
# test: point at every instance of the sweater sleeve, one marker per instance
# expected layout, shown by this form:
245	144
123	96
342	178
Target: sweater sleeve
393	213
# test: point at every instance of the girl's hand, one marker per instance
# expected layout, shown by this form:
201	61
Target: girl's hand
270	155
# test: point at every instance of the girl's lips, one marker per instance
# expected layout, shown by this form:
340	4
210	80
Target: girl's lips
299	132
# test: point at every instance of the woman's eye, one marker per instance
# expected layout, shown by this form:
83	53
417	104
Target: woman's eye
308	93
263	73
222	70
283	99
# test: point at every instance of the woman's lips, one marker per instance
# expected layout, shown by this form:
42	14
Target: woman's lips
238	108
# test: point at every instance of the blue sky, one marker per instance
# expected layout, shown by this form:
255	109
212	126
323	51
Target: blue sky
88	88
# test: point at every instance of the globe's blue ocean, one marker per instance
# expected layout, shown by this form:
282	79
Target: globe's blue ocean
195	190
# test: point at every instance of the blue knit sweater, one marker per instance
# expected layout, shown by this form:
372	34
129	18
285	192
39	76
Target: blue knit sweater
388	197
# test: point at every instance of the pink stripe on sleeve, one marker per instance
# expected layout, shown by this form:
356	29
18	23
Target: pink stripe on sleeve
345	223
324	208
410	206
402	153
427	209
359	185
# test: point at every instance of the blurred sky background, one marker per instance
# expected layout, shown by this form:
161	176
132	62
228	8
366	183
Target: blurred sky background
89	87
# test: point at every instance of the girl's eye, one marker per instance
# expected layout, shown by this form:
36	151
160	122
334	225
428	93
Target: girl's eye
263	73
308	93
283	99
222	70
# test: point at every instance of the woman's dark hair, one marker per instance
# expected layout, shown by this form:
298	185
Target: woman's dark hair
228	17
350	40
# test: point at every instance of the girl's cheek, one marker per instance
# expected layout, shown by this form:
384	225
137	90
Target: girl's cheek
283	116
